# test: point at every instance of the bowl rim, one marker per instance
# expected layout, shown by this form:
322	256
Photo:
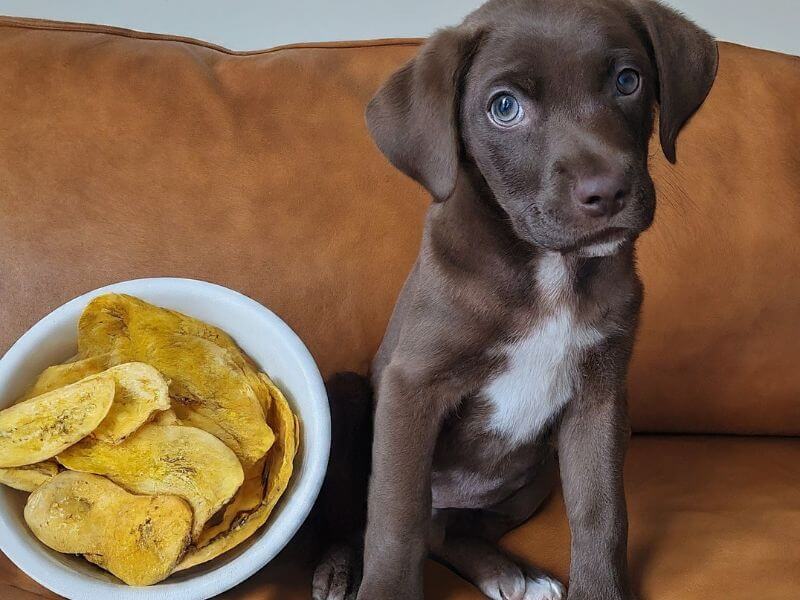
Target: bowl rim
72	584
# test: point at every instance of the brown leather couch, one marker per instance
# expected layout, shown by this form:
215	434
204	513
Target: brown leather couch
127	155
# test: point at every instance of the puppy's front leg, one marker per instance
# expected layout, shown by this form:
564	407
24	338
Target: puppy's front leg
592	441
407	421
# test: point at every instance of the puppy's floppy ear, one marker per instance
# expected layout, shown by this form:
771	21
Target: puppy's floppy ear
686	59
414	117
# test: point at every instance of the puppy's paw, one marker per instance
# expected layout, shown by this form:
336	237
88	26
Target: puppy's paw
507	583
337	575
541	587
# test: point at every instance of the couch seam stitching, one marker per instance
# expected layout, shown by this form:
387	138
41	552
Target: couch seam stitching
68	27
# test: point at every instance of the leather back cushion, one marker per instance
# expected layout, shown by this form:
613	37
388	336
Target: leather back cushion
127	155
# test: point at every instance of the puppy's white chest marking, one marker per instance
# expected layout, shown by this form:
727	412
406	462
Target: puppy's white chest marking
543	366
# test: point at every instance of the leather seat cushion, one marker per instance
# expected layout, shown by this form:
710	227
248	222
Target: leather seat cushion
711	518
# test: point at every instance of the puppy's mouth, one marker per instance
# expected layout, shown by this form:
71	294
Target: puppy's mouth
602	243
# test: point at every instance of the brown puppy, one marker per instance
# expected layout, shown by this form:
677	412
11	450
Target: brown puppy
529	124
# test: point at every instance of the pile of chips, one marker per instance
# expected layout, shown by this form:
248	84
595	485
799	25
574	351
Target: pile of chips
159	447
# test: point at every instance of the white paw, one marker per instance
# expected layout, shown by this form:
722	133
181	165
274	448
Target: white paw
504	582
335	578
543	588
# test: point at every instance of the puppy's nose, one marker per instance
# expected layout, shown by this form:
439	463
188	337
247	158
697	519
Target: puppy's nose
601	195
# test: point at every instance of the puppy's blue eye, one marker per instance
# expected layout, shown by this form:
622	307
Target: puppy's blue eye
505	110
627	82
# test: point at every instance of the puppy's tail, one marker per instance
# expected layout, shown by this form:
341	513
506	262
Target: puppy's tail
340	513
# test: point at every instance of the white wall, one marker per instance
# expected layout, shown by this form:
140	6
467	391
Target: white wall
255	24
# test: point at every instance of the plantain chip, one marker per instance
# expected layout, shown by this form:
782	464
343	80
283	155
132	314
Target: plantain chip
29	477
58	376
281	463
213	385
250	494
165	459
247	498
41	427
296	433
166	417
141	391
279	470
137	538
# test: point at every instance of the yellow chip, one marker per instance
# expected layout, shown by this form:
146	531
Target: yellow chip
213	385
183	461
140	392
251	494
247	498
58	376
280	465
29	477
41	427
137	538
296	433
166	417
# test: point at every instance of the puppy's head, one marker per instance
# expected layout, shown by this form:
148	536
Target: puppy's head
551	102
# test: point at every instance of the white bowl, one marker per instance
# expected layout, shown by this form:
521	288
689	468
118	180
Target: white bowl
271	344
